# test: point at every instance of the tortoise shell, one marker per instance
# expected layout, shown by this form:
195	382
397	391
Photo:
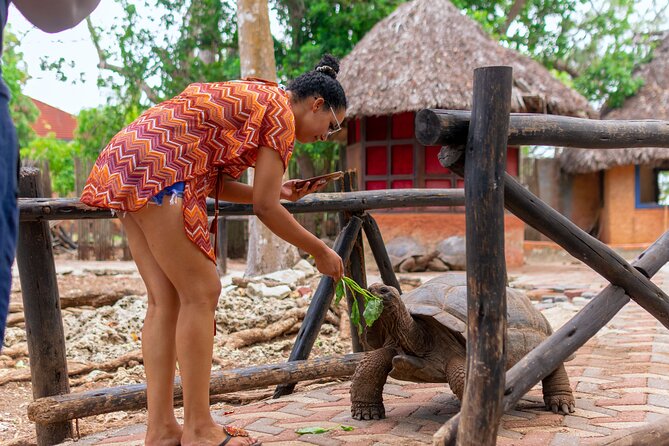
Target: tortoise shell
444	299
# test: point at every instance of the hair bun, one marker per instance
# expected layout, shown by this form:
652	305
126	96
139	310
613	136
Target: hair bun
329	65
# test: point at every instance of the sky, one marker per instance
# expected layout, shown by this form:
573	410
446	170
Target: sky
73	44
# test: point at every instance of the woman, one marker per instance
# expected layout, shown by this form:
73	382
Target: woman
185	149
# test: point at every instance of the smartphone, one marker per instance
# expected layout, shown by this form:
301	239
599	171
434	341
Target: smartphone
320	180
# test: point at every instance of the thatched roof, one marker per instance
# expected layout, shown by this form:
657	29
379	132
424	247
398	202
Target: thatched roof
424	54
650	102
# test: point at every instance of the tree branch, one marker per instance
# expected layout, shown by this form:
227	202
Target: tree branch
105	65
516	7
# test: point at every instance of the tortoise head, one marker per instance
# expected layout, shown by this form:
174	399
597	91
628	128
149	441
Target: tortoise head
389	294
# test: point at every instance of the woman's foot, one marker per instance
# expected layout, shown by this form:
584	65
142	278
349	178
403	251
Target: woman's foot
165	436
215	435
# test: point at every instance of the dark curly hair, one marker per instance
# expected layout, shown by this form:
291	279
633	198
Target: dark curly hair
321	81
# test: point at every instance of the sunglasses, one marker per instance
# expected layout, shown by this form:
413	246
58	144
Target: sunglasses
337	128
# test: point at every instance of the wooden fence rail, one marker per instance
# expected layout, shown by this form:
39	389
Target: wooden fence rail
485	131
72	209
465	140
450	127
54	405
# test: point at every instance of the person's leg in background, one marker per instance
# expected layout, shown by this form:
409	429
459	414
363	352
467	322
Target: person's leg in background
9	217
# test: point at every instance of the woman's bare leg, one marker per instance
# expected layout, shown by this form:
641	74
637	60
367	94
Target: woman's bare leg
198	286
158	341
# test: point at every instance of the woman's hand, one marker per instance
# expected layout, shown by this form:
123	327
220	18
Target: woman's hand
329	263
289	190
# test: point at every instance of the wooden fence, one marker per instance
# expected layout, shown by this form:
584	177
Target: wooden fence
475	147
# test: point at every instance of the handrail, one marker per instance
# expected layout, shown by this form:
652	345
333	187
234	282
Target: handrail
37	209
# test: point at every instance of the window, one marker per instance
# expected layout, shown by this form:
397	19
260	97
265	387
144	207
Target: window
652	186
393	159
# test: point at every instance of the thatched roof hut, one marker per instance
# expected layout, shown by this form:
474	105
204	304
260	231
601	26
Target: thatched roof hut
423	56
650	102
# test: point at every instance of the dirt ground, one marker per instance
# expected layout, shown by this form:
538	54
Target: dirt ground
97	335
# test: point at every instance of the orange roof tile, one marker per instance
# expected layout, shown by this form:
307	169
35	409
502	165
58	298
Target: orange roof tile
53	120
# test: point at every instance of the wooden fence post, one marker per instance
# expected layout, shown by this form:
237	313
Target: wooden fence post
379	251
41	306
320	303
541	361
355	266
486	267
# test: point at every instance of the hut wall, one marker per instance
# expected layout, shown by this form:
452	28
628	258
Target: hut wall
354	161
623	223
582	200
431	228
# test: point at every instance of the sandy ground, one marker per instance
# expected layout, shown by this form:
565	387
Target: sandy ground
97	335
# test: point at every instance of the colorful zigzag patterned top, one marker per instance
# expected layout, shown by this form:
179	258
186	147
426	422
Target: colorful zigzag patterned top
207	129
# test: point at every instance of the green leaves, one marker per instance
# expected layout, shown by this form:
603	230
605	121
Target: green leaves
373	305
322	430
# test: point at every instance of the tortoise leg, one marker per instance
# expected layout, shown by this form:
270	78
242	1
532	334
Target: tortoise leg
455	372
367	384
408	265
557	392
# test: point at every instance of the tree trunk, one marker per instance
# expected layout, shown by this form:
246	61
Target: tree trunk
266	252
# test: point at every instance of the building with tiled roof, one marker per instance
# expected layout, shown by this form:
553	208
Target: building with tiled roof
52	120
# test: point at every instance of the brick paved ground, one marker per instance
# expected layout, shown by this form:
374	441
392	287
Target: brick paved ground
620	378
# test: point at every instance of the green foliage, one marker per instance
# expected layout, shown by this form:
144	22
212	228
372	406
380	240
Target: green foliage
96	126
598	43
60	154
316	27
22	109
157	47
322	430
373	305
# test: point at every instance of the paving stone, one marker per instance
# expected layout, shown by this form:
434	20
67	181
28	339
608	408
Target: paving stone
620	381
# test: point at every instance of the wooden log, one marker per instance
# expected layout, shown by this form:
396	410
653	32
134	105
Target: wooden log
41	306
656	433
288	320
354	268
320	303
73	209
133	397
378	247
449	127
486	267
545	358
77	369
597	255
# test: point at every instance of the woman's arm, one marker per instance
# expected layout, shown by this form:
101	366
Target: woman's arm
266	194
235	192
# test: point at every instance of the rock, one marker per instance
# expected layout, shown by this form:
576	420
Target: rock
304	291
262	290
288	277
537	293
305	267
573	293
589	294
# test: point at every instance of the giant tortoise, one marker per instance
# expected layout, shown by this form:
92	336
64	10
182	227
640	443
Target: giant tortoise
408	256
421	337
